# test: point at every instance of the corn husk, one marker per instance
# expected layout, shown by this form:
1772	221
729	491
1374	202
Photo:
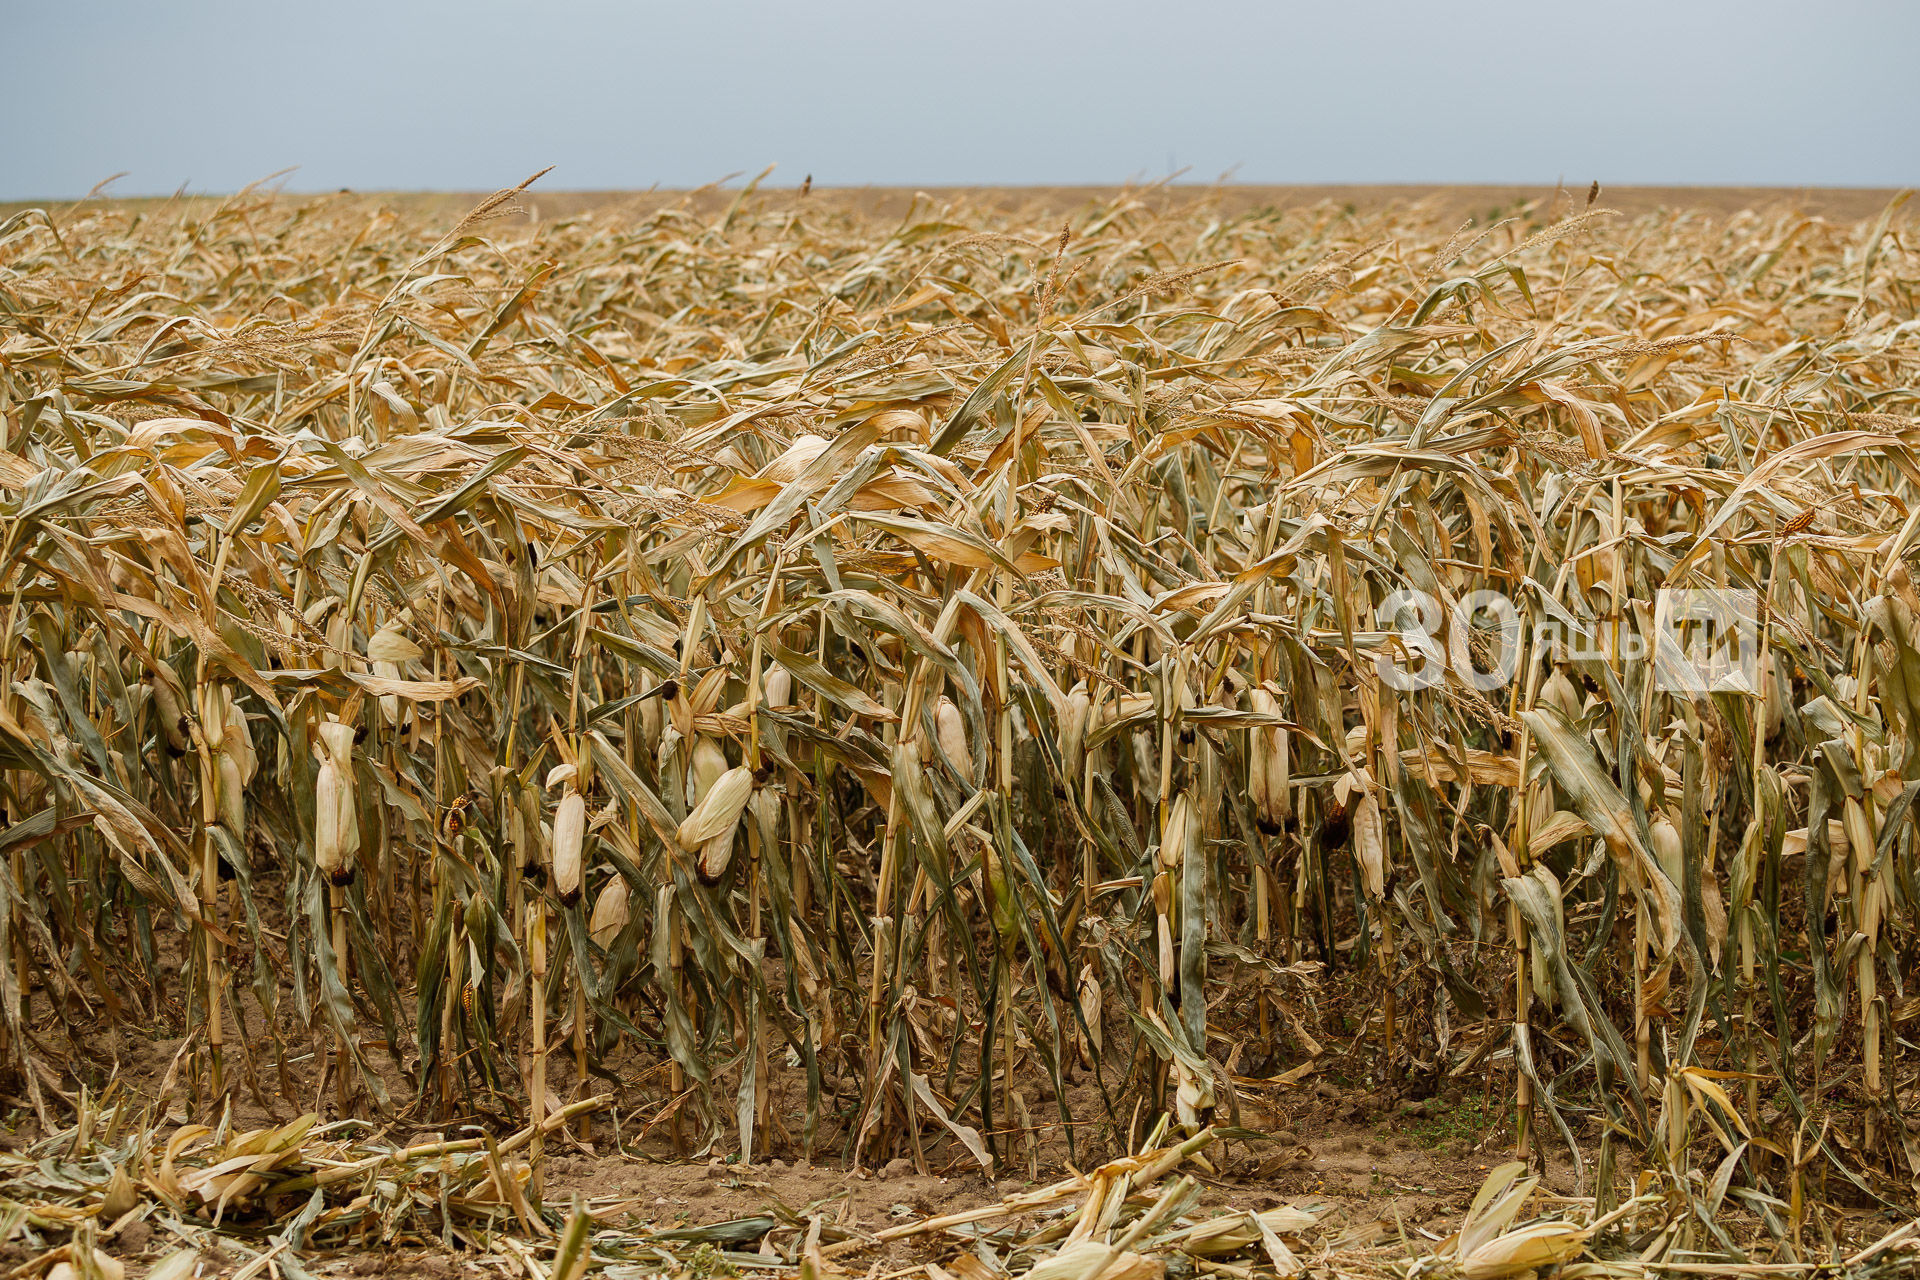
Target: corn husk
337	819
1860	841
999	889
1073	732
1192	1096
1089	996
951	728
679	710
1370	845
719	809
569	841
104	1267
212	708
1524	1250
766	808
168	703
610	912
1260	755
776	686
178	1265
239	741
715	856
1163	925
1777	685
1558	692
1667	847
329	848
523	830
1231	1233
1279	777
706	694
389	645
1173	840
338	740
709	763
121	1194
1544	986
776	692
231	792
651	720
1095	1260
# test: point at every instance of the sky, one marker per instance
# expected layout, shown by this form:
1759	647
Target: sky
473	95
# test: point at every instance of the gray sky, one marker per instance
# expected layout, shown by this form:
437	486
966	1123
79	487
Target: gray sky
385	94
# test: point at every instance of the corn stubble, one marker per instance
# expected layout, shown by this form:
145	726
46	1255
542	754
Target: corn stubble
931	667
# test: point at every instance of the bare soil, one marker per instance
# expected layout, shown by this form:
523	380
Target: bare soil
1372	1163
1374	1170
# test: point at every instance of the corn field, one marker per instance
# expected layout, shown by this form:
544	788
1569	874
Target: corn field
882	688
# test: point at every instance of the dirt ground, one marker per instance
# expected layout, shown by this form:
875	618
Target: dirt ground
1370	1163
1357	1173
1359	1157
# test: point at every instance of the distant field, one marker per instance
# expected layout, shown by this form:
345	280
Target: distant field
1846	204
1840	203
